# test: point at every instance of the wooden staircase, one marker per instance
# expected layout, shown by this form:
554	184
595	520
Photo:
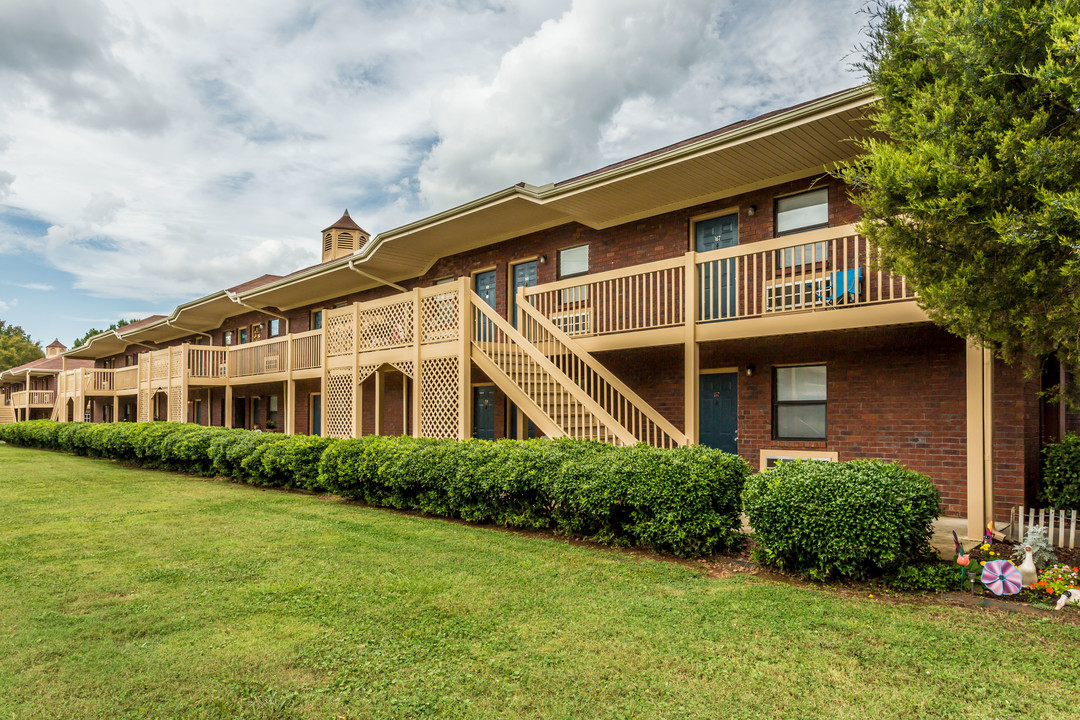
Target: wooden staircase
559	386
7	414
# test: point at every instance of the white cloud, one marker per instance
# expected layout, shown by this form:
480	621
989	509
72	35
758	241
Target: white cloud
175	149
33	286
6	305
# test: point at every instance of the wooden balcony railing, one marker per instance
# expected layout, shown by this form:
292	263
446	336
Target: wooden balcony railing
206	362
818	270
33	398
98	380
265	357
126	378
307	350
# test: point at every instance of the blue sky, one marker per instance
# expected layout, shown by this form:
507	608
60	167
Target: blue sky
152	152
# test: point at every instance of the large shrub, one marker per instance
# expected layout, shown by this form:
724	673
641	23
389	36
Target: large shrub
289	461
851	519
1061	473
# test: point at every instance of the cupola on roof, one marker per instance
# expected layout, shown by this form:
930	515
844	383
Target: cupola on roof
342	238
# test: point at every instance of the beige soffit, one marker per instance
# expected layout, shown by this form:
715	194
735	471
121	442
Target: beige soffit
795	143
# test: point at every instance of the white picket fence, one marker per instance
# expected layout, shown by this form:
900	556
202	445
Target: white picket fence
1060	531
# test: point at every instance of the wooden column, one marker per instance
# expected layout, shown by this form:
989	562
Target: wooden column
691	353
290	406
979	367
115	407
418	374
464	359
228	405
380	385
357	401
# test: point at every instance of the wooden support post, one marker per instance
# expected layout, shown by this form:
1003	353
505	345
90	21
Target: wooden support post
357	401
418	368
690	349
290	406
228	406
980	470
115	408
380	384
464	359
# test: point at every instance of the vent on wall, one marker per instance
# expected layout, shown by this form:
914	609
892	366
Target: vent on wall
345	241
769	458
328	242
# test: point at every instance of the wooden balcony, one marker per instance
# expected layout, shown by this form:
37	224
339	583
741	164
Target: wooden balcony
33	399
813	281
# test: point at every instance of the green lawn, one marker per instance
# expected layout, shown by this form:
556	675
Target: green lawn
129	593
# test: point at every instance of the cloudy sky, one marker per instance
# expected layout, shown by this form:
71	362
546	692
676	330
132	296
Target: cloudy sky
152	151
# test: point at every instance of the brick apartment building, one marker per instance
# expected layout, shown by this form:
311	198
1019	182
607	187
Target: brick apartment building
714	291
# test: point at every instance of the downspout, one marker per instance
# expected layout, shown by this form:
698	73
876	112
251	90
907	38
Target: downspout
235	297
133	342
369	276
193	332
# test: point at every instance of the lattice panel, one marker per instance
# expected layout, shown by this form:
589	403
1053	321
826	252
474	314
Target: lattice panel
159	365
364	372
439	409
143	410
406	367
387	326
440	317
144	367
340	333
340	387
176	362
176	404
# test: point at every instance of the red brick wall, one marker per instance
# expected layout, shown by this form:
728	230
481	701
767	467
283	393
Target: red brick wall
893	393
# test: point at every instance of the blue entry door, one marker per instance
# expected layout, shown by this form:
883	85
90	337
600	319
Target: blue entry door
718	282
524	276
718	411
484	412
484	285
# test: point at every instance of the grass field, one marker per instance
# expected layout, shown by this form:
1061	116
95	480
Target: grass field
129	593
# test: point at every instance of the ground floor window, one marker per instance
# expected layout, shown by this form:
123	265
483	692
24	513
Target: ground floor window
799	402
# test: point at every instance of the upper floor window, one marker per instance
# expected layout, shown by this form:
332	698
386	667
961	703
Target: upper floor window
256	332
805	211
316	319
274	328
573	261
800	394
243	335
227	338
443	281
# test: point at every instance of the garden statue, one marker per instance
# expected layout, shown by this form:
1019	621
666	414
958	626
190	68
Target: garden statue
1027	568
1069	597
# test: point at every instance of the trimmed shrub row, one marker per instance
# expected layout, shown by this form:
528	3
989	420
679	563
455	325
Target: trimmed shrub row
853	519
685	500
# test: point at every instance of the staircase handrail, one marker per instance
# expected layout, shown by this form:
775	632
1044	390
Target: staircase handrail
663	424
489	314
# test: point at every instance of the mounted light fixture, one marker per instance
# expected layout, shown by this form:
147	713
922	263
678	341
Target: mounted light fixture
543	259
752	210
749	370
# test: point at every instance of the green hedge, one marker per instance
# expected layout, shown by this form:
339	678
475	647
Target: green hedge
1061	474
685	500
853	519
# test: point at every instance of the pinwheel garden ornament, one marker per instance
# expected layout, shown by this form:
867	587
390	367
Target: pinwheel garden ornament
1001	577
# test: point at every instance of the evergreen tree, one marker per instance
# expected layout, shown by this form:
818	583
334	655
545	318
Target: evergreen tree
972	188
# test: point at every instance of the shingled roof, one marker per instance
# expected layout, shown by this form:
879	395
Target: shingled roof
346	223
